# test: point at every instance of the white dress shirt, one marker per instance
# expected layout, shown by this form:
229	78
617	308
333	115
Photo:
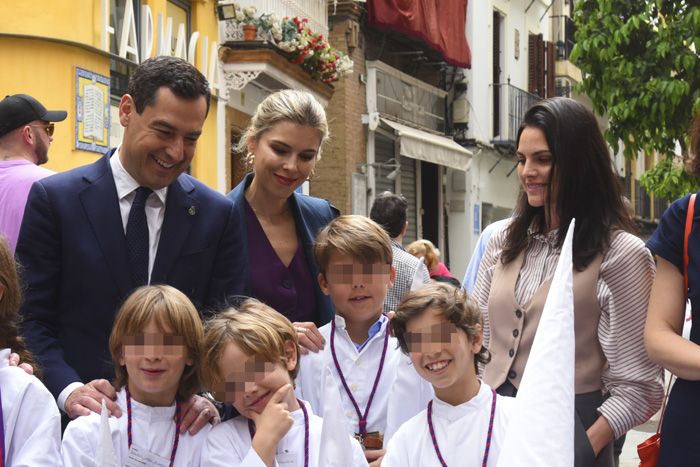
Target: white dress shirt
229	444
31	420
155	213
360	369
461	433
155	205
153	428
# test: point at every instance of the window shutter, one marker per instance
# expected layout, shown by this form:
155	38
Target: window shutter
536	65
532	64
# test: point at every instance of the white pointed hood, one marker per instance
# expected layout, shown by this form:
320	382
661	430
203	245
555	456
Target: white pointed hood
541	426
336	447
106	457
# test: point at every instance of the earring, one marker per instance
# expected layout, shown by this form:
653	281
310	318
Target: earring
249	161
311	175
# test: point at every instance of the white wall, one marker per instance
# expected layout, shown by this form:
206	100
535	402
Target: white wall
480	36
497	187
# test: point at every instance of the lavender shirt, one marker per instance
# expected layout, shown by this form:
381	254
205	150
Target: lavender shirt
289	290
16	179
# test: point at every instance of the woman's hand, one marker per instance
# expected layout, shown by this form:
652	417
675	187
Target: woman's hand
664	325
600	434
310	338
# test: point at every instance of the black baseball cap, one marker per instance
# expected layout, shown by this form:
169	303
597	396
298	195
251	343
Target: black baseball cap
20	109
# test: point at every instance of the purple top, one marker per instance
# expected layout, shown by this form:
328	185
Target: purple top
290	289
16	178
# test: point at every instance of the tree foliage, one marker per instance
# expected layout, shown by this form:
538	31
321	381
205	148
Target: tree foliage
641	67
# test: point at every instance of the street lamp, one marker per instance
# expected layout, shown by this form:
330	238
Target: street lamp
226	11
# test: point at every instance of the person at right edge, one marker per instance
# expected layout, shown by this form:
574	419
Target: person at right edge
664	327
566	172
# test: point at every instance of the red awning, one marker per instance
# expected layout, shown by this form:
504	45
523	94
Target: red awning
440	23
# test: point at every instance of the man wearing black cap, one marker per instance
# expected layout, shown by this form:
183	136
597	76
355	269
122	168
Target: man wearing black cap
26	131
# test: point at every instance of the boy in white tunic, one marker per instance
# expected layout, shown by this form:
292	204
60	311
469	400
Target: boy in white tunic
30	425
250	360
156	345
440	327
354	256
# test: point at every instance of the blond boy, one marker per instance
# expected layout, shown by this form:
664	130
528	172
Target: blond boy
250	360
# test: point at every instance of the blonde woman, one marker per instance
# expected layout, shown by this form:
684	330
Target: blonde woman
431	255
277	225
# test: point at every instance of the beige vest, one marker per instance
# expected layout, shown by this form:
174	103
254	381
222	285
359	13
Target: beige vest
513	328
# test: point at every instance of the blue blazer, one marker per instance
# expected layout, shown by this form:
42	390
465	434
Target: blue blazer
311	215
73	253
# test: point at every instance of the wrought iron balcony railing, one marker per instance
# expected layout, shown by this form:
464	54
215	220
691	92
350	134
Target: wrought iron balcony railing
563	30
509	106
315	10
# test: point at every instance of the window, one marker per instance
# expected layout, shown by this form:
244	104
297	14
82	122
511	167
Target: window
541	56
181	13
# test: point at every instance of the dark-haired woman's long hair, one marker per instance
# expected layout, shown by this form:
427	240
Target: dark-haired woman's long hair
9	308
582	184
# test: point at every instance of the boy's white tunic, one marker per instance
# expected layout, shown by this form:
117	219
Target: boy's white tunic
229	444
460	431
360	370
31	420
152	428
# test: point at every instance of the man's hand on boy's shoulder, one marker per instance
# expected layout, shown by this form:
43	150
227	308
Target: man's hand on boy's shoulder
197	412
310	338
15	361
88	398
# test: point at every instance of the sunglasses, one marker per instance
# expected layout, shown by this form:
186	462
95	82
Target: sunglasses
48	128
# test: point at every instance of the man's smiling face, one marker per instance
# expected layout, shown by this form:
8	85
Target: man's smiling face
159	143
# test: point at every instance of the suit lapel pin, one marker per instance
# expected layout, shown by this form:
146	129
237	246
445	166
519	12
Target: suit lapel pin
192	210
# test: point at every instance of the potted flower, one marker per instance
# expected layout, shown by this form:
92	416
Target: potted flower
249	21
240	17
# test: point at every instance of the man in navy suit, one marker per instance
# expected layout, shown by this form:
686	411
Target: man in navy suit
93	234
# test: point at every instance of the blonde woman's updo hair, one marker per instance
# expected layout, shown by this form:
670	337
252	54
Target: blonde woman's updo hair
426	250
289	105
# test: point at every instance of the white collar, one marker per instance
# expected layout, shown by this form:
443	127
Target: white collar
472	407
340	321
298	415
125	183
146	412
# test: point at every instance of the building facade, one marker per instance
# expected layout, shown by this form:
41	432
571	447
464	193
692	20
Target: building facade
81	63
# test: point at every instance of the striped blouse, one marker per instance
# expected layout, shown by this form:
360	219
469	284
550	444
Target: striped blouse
626	275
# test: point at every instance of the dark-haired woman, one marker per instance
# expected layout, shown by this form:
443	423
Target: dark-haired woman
566	172
664	325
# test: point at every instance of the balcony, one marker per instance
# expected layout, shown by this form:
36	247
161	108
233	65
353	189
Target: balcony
509	106
270	55
315	10
267	68
406	99
563	30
